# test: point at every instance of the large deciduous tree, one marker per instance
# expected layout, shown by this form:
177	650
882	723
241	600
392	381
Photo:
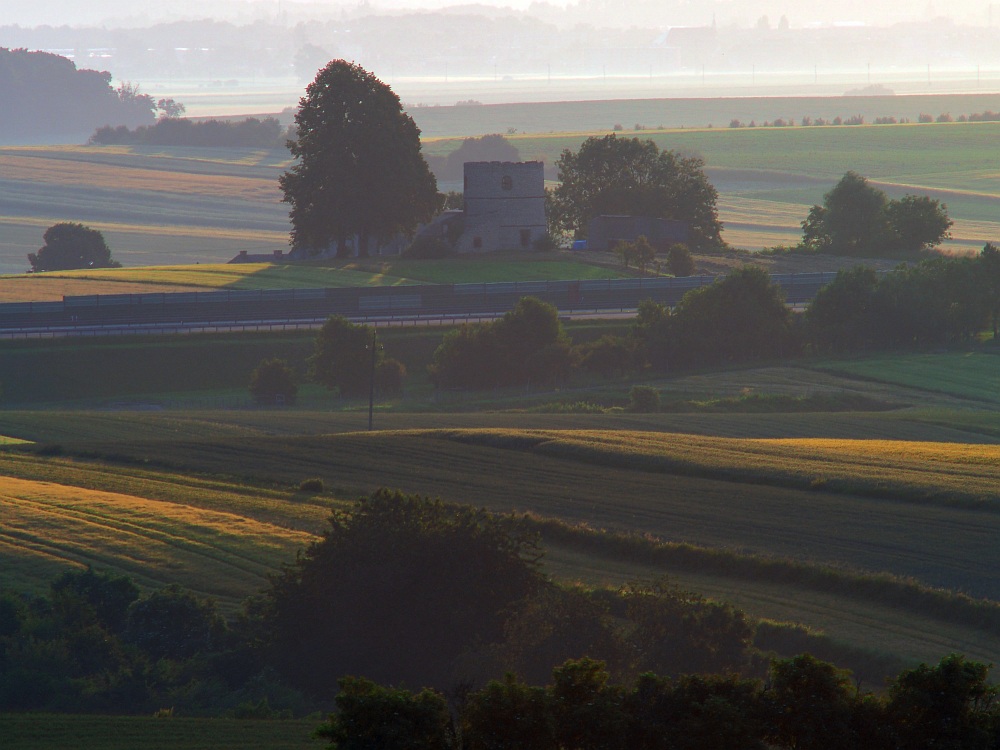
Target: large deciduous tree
611	175
396	591
359	170
68	246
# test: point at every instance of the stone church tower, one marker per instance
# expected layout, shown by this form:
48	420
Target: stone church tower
504	206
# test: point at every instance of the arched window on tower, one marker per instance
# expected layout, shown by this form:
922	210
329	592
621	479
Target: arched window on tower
507	183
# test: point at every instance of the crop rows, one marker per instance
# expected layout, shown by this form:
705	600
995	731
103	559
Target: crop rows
154	541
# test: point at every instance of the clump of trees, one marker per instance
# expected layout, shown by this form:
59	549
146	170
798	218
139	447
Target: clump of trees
346	357
273	382
639	252
860	220
740	318
173	131
46	96
69	246
358	167
807	705
612	175
461	598
941	300
398	590
527	345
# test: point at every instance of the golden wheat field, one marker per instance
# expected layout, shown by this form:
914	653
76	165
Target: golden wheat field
157	542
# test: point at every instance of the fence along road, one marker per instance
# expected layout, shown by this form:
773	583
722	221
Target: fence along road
289	309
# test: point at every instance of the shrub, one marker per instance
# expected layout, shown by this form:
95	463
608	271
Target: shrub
428	248
273	382
679	260
608	356
342	358
389	377
546	243
314	484
643	399
527	344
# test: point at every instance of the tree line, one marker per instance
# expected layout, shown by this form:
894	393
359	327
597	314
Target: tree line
739	318
250	132
923	118
804	704
46	96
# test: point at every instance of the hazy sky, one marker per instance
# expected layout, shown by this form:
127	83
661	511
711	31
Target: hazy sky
114	12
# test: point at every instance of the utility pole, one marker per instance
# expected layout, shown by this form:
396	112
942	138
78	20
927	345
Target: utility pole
371	384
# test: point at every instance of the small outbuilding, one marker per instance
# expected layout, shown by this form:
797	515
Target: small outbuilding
278	256
605	232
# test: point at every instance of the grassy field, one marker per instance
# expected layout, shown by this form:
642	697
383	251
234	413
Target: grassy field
861	524
54	285
970	375
535	118
47	525
57	731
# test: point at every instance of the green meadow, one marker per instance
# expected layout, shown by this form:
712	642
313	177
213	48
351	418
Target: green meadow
53	285
560	117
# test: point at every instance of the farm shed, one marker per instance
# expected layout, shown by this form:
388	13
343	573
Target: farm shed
604	232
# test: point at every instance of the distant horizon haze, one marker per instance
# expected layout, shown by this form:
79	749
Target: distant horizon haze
619	13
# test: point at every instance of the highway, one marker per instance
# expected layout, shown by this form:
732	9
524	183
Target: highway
298	309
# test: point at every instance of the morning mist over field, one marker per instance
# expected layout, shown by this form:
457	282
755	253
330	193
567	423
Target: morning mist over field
232	57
